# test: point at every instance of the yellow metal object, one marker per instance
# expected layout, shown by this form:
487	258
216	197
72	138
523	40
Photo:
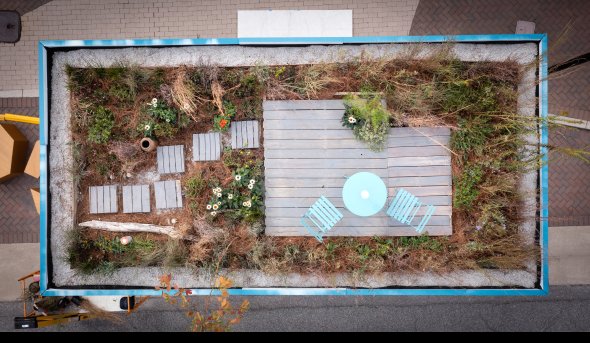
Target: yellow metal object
19	118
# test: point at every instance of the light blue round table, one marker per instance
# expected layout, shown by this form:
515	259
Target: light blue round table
364	194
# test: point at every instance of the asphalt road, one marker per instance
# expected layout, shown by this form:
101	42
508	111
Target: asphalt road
567	308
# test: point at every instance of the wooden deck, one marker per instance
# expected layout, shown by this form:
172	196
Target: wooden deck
308	153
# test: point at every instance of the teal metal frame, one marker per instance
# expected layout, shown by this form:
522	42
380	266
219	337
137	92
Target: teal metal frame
404	208
45	46
323	215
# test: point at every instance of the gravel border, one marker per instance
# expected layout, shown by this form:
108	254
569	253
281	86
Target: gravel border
63	196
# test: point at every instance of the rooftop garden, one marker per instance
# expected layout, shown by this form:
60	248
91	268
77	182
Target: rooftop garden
221	224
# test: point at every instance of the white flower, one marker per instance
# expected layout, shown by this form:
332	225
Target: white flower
215	207
147	127
250	186
217	190
230	196
186	107
244	204
154	101
208	206
213	213
219	203
219	195
154	105
252	181
238	177
248	203
167	120
351	120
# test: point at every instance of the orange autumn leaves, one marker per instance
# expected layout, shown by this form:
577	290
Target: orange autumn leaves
207	317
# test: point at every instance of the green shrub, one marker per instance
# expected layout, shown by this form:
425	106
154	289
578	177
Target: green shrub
159	110
102	124
420	242
472	135
368	119
194	186
466	190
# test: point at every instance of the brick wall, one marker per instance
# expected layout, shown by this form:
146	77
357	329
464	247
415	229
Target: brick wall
112	19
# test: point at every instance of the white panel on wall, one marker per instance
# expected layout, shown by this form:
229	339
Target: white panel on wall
295	23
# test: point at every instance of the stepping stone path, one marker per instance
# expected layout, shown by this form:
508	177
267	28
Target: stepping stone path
103	199
136	199
171	159
244	135
168	194
206	146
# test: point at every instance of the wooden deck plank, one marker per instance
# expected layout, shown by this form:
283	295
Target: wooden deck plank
166	159
182	158
315	143
136	198
438	200
323	153
160	159
300	163
145	198
170	190
234	135
272	105
299	124
303	115
178	193
100	199
160	194
127	199
256	134
305	182
106	199
309	134
114	197
93	200
321	173
201	157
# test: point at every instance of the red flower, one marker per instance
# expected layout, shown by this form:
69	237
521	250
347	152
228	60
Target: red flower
222	123
188	292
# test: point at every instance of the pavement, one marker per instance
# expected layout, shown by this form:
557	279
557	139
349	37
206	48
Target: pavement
567	308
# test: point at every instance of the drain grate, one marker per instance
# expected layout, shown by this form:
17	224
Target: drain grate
9	26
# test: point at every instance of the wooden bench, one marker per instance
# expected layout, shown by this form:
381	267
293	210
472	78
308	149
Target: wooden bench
206	146
170	159
168	194
103	199
244	135
136	199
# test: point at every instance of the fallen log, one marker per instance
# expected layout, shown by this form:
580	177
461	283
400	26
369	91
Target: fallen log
137	227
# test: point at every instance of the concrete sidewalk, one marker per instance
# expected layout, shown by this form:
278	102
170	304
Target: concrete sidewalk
16	260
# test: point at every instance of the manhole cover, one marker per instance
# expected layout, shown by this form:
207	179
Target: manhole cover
9	26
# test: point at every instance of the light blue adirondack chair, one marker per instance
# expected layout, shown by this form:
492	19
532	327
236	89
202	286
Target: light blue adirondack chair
404	208
321	218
